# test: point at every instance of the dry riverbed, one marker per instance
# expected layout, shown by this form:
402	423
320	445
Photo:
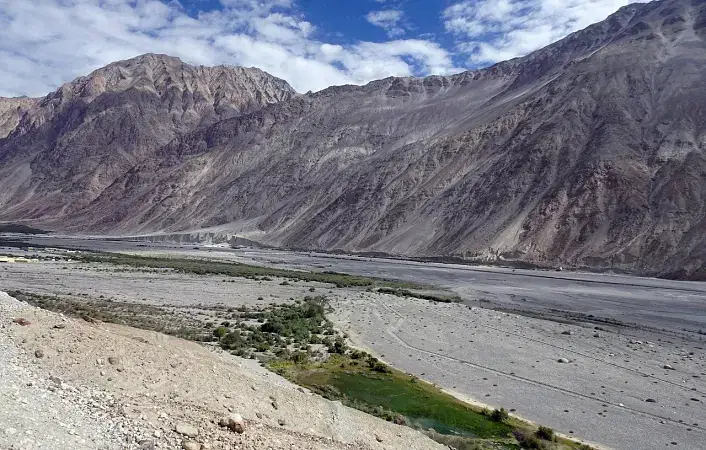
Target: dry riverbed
620	387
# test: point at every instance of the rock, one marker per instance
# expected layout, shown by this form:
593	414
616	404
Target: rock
39	353
60	326
567	332
282	422
113	360
274	404
22	321
651	400
233	422
378	438
146	444
186	430
596	335
667	367
562	360
190	445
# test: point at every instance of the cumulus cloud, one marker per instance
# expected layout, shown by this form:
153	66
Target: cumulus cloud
496	30
389	20
44	43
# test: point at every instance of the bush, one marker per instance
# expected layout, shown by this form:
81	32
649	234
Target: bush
377	366
339	346
232	340
545	433
499	415
300	357
220	332
357	354
529	442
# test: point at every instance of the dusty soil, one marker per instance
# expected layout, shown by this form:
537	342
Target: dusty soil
99	385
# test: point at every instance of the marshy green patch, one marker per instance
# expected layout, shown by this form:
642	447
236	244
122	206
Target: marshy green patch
360	381
357	381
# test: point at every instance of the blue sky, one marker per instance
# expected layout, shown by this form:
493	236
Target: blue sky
312	44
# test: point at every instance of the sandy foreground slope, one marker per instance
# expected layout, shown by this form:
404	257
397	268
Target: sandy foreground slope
68	383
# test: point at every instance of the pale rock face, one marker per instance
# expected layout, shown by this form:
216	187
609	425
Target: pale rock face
589	152
11	111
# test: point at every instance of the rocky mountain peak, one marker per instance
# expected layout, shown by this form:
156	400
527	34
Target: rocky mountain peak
234	87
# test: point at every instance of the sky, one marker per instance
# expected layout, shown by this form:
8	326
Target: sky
312	44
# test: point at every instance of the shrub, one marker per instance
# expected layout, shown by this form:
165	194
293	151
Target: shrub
528	441
300	357
499	415
377	366
220	332
357	354
232	340
339	346
545	433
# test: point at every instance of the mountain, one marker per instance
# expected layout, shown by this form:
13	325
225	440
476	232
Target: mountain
589	152
76	141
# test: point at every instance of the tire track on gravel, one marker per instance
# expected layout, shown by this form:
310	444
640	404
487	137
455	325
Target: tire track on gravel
401	320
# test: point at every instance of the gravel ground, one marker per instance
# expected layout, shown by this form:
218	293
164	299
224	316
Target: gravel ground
120	387
42	412
598	392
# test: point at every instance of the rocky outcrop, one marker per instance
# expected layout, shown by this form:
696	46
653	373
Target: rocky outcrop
12	110
587	152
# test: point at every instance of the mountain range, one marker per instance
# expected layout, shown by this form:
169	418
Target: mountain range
589	152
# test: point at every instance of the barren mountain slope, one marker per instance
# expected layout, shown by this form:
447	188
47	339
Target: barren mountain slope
11	111
590	151
78	139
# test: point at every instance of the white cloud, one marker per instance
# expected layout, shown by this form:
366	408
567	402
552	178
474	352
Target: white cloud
496	30
389	20
44	43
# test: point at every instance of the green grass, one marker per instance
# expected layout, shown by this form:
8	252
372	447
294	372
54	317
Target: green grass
205	267
392	393
399	397
419	402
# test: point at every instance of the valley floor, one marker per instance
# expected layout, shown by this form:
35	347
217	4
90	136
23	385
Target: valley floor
598	392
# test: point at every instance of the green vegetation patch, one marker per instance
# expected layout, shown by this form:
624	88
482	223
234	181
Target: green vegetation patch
391	394
205	267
